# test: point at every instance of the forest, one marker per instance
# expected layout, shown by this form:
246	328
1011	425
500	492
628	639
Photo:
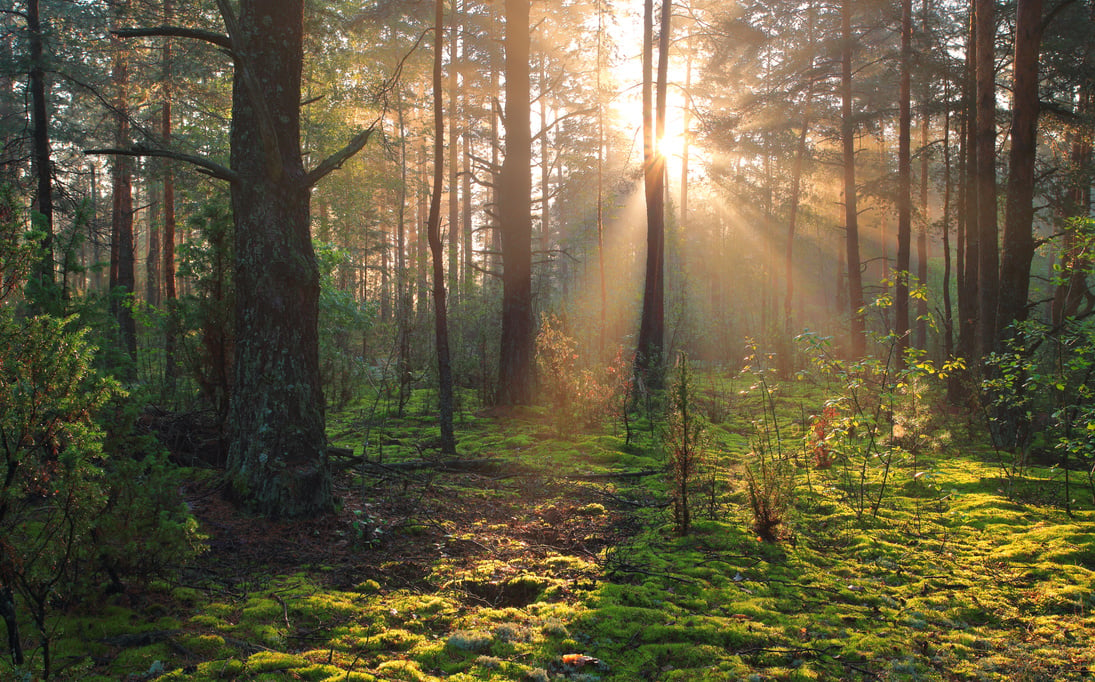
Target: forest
547	340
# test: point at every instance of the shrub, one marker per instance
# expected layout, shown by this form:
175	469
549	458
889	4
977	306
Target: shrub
577	396
685	444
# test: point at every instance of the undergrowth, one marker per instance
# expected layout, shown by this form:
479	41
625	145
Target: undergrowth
551	567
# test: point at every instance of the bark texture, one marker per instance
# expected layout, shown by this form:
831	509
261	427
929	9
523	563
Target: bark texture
277	453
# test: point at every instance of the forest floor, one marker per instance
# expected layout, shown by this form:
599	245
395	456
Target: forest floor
555	559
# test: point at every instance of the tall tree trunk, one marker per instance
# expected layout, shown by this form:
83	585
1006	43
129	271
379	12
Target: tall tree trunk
440	312
277	458
122	270
1075	259
649	358
904	188
968	302
851	215
43	273
948	312
1018	249
921	326
515	202
454	180
789	246
988	275
403	308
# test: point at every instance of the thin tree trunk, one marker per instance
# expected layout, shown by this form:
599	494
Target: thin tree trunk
968	302
43	169
948	312
454	186
904	188
441	329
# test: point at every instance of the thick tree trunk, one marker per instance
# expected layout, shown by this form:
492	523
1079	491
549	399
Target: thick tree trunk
988	274
851	215
514	206
122	267
440	311
1018	248
277	455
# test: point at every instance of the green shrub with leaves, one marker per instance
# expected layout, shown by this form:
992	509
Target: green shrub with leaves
876	420
578	396
770	469
75	499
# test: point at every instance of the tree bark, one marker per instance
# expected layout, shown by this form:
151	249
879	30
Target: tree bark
277	456
851	215
649	356
904	188
440	312
169	292
40	142
969	239
514	206
122	262
988	275
1018	242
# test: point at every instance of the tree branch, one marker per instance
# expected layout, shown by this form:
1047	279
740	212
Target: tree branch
164	31
204	165
335	161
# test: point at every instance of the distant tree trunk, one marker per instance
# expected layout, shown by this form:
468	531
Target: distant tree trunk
122	270
1018	247
468	260
789	246
170	295
904	188
514	206
1071	293
851	215
649	357
43	168
603	289
921	339
988	275
948	311
403	306
441	328
277	458
454	180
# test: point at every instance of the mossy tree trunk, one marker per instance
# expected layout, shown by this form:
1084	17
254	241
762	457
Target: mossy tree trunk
277	454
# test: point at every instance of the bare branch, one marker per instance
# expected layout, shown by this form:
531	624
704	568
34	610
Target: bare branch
218	39
204	165
335	161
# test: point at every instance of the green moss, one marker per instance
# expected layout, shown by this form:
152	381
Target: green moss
266	661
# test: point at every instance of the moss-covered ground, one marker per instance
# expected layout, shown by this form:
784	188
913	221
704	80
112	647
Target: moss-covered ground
546	566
